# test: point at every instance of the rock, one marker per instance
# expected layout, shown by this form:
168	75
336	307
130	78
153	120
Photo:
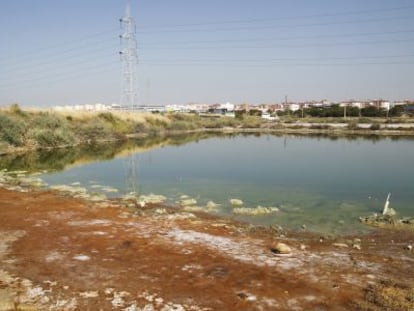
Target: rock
357	246
211	206
193	208
152	198
409	248
260	210
281	248
302	247
390	212
357	241
109	189
236	202
188	202
97	197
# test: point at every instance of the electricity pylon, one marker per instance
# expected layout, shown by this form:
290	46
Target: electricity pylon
129	57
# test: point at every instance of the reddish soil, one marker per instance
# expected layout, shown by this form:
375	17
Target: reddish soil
60	253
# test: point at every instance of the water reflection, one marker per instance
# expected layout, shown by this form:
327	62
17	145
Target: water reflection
60	159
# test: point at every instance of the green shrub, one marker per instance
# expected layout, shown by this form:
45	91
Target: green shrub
180	126
107	116
46	138
16	110
46	120
95	129
156	122
139	127
11	130
251	122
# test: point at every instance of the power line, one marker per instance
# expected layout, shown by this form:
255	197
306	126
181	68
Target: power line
280	64
24	68
292	59
288	45
33	52
290	38
360	21
336	14
72	73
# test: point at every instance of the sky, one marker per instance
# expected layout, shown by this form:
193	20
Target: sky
66	52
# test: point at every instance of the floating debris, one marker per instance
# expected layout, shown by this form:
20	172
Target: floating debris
388	210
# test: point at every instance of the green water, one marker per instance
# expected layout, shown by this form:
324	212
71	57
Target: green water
320	182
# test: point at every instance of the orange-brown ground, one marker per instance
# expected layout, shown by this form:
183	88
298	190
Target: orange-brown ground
60	253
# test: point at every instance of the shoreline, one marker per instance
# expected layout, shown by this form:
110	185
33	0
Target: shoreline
65	253
286	130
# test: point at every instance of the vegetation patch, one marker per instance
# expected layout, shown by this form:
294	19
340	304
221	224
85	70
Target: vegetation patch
388	296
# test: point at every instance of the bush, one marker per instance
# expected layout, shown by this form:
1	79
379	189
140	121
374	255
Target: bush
11	130
93	130
46	138
251	122
375	127
181	126
48	121
15	109
353	125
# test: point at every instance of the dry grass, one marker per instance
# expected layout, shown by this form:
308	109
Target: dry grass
138	117
388	296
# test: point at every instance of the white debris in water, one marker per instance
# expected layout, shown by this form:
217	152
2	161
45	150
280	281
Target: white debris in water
152	198
188	202
236	202
110	189
260	210
82	257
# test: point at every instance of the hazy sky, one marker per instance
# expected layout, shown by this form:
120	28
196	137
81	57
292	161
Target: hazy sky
65	52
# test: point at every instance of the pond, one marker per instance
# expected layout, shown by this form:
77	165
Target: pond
323	183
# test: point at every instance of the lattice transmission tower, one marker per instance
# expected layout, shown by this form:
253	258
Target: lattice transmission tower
129	57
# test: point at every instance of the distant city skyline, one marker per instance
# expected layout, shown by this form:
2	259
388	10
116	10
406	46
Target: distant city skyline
67	52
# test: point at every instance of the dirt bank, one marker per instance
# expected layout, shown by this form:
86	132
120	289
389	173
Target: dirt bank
60	253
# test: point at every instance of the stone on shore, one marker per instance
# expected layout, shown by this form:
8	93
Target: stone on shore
151	199
260	210
188	202
236	202
281	248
